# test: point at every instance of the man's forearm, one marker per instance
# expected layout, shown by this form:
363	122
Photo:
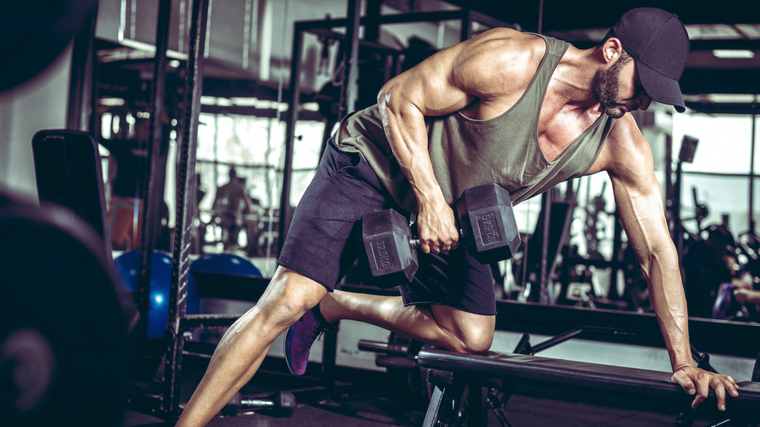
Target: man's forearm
405	129
404	125
667	297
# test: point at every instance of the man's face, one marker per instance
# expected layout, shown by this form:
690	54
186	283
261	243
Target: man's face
619	89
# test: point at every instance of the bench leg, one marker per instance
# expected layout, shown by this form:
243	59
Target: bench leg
477	406
497	401
444	408
434	408
446	402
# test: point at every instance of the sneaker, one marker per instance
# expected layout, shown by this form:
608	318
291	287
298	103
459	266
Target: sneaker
300	338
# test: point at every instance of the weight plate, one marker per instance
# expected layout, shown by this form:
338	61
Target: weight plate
62	330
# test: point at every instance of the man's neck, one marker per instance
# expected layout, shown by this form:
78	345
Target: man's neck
575	76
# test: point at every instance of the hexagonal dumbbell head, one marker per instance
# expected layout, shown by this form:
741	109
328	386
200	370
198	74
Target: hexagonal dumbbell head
387	242
488	223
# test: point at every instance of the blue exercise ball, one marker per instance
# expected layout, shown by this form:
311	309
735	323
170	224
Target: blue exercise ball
126	269
225	263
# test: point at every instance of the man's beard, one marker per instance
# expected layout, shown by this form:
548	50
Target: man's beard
606	89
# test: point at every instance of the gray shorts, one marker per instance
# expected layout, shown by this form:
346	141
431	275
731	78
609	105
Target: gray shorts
325	235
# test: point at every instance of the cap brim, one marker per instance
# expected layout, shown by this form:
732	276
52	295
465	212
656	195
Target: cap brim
661	88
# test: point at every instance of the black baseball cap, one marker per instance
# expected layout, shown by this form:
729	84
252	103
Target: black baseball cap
659	43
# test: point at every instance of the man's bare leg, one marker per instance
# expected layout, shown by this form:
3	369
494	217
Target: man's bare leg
439	325
244	346
290	295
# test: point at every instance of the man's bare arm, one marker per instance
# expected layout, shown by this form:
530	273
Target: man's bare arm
447	82
639	201
638	198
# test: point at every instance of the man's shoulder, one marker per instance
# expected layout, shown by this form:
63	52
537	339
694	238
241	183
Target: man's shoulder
506	33
512	42
510	57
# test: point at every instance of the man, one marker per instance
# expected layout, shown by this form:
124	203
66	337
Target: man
231	204
520	109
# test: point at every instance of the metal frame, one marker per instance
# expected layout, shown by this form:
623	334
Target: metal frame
166	402
175	333
155	173
81	109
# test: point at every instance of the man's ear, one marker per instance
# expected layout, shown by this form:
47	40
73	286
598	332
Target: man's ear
612	49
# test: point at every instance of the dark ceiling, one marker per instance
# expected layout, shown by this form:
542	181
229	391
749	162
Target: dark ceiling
563	15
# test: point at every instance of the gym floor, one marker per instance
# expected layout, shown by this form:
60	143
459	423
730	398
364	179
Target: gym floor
368	403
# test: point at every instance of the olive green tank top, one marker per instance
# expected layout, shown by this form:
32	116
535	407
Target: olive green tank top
467	152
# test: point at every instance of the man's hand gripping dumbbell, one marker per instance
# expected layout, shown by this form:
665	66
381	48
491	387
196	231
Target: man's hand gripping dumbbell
487	229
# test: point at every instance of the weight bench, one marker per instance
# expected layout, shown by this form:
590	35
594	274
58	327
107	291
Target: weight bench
645	390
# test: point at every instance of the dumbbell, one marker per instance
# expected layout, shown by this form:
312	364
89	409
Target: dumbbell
488	231
282	404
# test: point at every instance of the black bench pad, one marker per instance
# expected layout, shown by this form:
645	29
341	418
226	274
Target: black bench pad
610	385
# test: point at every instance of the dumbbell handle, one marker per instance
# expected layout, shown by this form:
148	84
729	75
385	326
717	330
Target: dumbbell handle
395	349
256	402
282	403
415	243
382	347
374	346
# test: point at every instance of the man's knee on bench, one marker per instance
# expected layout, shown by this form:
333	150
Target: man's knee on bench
472	339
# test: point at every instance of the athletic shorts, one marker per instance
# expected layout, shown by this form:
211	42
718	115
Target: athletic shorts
325	236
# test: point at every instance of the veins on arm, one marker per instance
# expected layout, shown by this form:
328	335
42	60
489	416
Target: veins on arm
639	201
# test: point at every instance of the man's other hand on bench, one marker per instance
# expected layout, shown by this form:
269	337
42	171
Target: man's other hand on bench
689	375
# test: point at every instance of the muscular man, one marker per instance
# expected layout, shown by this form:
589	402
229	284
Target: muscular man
523	110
